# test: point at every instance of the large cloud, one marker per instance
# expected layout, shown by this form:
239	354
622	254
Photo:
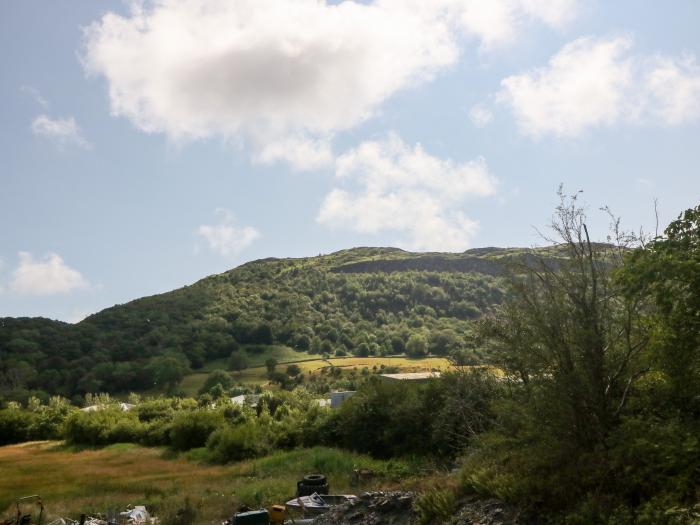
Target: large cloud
390	186
263	71
594	82
45	277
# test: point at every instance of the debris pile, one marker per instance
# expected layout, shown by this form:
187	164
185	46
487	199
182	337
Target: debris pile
488	512
396	508
372	508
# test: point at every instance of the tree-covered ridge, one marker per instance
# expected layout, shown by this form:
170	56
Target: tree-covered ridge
363	301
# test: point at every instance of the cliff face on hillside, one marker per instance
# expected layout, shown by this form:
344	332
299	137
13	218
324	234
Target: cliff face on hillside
433	263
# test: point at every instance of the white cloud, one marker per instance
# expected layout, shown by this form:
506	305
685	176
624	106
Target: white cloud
406	190
301	153
62	132
36	95
594	82
226	238
265	72
497	22
46	277
673	85
480	115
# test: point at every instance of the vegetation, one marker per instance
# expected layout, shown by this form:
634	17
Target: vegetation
583	406
74	482
362	302
598	425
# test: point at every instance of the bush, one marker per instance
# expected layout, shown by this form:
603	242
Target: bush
103	427
247	440
217	377
238	361
293	370
192	429
14	425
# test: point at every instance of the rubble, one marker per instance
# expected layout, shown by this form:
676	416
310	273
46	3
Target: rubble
488	512
396	508
372	508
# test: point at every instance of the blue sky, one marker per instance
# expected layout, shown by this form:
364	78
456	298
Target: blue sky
148	144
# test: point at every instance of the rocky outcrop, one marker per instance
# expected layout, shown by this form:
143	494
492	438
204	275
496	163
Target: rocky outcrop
425	264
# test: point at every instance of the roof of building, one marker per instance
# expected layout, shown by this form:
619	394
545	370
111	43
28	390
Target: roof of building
251	399
93	408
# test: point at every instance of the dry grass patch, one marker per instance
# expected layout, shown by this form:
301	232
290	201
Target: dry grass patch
92	481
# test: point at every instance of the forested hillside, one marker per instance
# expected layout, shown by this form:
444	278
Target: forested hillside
363	301
590	414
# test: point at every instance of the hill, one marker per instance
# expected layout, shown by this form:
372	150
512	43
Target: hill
361	301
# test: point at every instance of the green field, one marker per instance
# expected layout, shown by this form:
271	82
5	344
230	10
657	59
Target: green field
256	374
91	481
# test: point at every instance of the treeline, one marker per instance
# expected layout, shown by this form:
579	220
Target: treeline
384	419
150	344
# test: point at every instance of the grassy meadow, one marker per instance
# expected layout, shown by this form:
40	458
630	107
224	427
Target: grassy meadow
256	374
90	481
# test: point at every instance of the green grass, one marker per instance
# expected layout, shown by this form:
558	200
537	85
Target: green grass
283	354
91	481
257	375
191	384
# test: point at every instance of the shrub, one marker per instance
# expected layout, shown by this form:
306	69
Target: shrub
435	505
217	377
103	427
14	425
247	440
192	429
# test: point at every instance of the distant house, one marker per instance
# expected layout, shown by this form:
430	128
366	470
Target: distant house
250	400
338	398
323	402
125	407
411	376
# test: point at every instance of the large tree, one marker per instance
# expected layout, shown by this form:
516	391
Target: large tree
667	270
568	335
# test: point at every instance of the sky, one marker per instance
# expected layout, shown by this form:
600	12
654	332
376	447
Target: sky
148	144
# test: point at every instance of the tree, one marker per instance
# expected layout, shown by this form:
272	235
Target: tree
417	345
362	350
238	361
270	364
397	345
445	341
168	371
217	377
326	347
569	333
293	370
262	334
302	342
667	270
